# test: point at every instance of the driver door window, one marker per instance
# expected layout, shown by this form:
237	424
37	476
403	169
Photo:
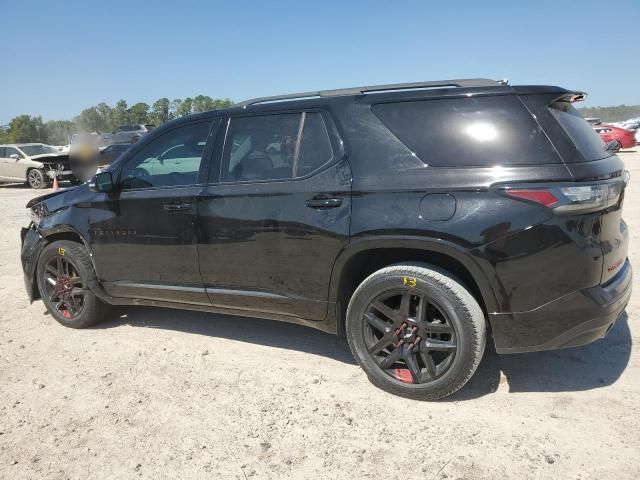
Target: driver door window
172	159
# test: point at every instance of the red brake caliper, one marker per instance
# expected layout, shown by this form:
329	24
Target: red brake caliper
403	374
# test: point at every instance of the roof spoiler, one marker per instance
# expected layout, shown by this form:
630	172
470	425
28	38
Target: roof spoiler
572	97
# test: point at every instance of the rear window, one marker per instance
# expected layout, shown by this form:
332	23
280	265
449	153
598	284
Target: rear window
461	132
585	138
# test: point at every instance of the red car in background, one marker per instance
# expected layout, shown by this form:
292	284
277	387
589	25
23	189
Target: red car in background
608	132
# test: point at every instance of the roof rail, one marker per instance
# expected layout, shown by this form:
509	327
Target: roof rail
468	82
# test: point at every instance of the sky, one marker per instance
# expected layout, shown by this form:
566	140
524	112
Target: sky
58	58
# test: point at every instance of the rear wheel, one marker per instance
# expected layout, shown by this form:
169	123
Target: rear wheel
416	331
64	274
36	179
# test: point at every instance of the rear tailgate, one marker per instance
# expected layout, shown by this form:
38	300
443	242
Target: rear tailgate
614	239
587	159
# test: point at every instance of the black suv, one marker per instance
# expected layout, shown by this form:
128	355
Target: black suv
410	219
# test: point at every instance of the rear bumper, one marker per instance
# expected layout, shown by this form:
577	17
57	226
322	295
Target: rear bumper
628	141
573	320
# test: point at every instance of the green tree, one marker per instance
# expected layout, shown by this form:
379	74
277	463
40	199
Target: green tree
4	133
222	103
174	108
92	120
58	132
185	107
139	113
204	103
160	111
25	128
611	114
106	114
119	114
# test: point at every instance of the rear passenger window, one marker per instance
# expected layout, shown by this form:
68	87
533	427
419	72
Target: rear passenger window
275	147
460	132
315	147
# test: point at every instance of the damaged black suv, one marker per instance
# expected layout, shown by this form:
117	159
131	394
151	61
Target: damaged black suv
413	220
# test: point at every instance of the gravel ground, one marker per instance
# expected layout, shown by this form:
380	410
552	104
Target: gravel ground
157	393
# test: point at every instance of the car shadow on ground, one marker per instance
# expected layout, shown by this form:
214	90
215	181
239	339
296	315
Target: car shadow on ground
17	186
243	329
576	369
570	370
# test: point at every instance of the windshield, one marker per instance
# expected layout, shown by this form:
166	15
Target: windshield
32	150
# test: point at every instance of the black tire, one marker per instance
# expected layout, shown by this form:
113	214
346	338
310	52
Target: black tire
36	179
453	309
79	274
135	140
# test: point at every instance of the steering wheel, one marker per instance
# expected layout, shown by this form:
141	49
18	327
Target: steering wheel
139	172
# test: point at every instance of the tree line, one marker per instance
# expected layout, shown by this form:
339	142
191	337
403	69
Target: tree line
611	114
104	118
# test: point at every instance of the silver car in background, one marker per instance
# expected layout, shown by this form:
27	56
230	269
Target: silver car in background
131	133
34	163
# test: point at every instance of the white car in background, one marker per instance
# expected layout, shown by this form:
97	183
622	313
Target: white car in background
34	163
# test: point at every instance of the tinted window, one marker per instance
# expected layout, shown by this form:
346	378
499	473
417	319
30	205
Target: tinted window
169	160
2	155
482	131
12	151
38	149
275	147
585	138
315	147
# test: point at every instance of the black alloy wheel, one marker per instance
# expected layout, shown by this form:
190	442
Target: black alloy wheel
416	330
64	287
409	337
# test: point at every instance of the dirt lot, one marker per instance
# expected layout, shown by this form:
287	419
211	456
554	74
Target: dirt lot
157	393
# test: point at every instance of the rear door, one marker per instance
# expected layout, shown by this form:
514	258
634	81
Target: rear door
276	214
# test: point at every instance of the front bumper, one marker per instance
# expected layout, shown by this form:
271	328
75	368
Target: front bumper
573	320
32	245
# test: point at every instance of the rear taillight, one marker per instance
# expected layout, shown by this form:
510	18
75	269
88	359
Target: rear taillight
571	198
544	197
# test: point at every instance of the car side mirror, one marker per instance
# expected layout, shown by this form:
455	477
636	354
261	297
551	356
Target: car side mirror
613	146
103	182
15	156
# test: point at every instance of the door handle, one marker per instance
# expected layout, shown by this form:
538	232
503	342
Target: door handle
176	207
322	203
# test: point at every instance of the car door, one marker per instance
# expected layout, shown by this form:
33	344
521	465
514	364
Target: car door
274	220
143	238
3	164
15	169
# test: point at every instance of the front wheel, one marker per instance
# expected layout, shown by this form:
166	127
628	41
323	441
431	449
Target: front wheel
36	179
416	331
64	274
